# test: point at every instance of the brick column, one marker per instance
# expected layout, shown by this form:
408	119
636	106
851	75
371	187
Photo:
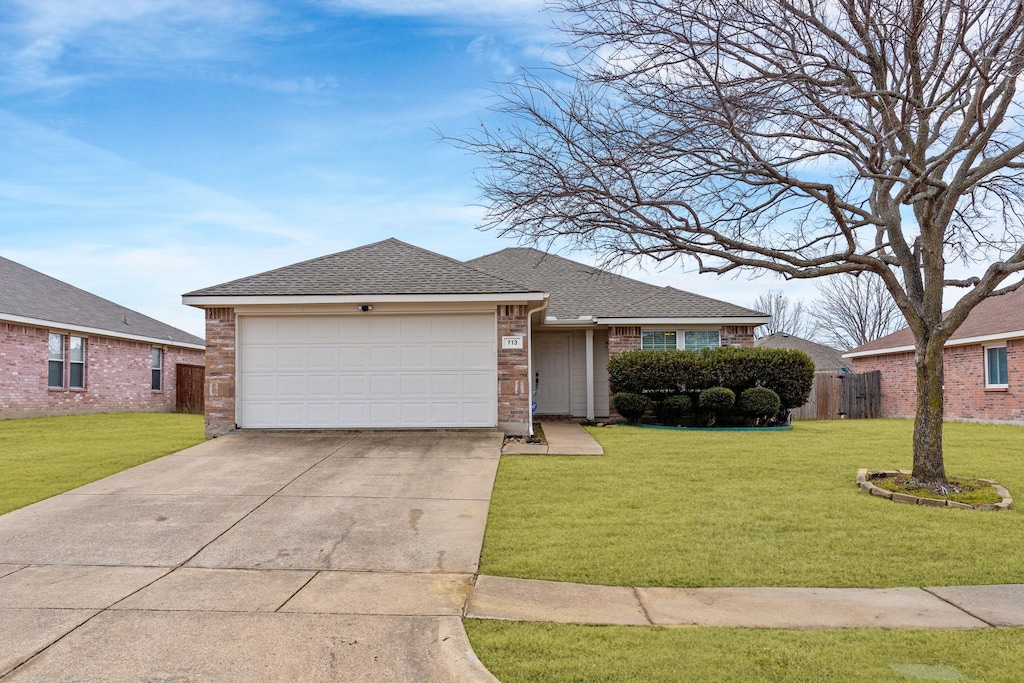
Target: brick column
621	339
220	371
737	335
513	372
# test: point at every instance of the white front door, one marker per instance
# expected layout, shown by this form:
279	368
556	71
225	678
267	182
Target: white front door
551	373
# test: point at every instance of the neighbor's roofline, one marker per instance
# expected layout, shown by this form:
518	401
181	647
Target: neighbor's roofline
263	300
965	341
690	320
100	332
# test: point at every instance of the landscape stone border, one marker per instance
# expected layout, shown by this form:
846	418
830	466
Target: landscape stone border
864	478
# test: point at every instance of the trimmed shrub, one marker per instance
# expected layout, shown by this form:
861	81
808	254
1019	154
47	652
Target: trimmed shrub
787	372
760	402
631	406
717	400
671	408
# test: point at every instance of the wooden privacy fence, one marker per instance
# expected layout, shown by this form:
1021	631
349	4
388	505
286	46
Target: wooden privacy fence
838	395
189	389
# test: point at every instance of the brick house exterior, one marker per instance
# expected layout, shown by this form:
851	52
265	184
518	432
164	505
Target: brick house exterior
65	351
983	365
389	335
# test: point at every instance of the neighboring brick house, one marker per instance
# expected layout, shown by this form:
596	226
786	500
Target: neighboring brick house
389	335
65	351
984	365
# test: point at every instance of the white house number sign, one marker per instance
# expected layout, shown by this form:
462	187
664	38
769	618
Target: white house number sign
512	342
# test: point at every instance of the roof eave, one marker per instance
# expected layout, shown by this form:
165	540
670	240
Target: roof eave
964	341
307	299
690	320
97	331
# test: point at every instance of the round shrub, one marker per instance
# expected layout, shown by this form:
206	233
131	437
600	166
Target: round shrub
631	406
671	408
760	401
716	399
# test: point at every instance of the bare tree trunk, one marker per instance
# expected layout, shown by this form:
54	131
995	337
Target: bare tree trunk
928	463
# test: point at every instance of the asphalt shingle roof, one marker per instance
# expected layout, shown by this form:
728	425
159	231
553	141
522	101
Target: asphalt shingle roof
824	357
581	290
27	293
993	316
381	268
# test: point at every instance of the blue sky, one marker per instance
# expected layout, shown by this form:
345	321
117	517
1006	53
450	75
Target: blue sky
152	147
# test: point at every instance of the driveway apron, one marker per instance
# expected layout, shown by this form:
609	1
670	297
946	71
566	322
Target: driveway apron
258	556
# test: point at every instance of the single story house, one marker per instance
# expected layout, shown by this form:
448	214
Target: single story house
389	335
984	365
65	351
826	358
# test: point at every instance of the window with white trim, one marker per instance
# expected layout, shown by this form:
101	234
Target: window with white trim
996	375
672	339
157	369
55	361
77	363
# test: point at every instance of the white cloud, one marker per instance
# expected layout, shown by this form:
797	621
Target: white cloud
452	9
41	34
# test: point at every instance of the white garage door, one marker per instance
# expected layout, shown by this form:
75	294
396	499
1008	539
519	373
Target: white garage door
368	370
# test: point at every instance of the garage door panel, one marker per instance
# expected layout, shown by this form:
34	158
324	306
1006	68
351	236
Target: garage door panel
415	357
415	386
353	357
368	371
323	414
324	330
291	357
383	386
323	386
291	386
353	385
293	330
477	357
322	358
476	385
384	358
445	385
385	330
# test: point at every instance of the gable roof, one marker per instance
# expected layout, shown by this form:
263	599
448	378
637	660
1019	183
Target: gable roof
994	317
824	357
579	290
30	297
382	268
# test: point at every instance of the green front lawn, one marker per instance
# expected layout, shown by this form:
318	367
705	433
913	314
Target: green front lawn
683	508
542	653
41	457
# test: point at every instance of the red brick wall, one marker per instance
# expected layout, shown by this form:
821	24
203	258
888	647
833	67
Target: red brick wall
513	372
737	335
220	371
623	339
966	395
117	375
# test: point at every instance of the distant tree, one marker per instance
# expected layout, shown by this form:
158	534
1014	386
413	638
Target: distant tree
789	317
854	310
803	137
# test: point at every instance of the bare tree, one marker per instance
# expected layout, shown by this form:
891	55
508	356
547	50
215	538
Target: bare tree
804	137
788	317
854	310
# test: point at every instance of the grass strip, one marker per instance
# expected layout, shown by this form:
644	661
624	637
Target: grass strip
518	652
41	457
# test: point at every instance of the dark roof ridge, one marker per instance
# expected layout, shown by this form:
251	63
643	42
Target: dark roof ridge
527	287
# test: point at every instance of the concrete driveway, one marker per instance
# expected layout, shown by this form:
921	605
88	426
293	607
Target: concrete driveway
341	556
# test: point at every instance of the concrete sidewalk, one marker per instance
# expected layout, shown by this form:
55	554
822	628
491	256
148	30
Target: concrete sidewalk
563	438
953	607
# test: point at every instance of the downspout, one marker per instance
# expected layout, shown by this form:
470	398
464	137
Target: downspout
529	359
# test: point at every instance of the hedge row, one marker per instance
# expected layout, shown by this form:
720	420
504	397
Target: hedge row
656	374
